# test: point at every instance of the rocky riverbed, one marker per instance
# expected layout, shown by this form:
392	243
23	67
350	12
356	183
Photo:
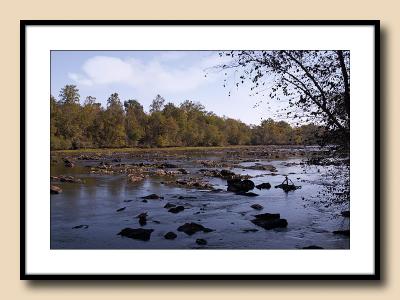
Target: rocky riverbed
225	198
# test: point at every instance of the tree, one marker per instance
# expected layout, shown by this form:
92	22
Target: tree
317	83
157	104
113	126
134	121
69	94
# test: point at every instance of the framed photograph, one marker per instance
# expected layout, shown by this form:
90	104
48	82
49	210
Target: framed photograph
200	150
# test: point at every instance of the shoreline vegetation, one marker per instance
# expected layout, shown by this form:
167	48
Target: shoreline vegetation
126	124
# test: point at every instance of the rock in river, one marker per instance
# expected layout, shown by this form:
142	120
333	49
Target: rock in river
346	213
170	235
312	247
80	226
153	197
257	206
55	189
176	209
238	185
136	233
121	209
68	163
265	185
169	205
192	228
201	242
269	221
342	232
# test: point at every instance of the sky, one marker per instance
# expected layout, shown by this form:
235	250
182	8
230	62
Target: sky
175	75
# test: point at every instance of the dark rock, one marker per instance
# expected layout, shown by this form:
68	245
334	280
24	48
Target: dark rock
226	173
186	197
169	205
287	187
176	209
249	230
121	209
152	196
168	165
342	232
268	216
80	226
313	247
128	200
346	214
265	185
136	233
257	206
170	235
145	201
248	194
201	242
271	224
142	219
237	185
192	228
55	189
269	221
68	163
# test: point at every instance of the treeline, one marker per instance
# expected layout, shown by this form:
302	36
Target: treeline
125	124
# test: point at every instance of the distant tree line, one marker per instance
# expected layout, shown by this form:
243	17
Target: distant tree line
125	124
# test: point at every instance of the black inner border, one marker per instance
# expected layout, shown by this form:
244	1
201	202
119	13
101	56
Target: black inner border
377	245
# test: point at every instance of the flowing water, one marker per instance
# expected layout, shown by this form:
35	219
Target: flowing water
311	216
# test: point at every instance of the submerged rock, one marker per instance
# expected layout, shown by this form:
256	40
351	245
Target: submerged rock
269	221
257	206
80	226
136	233
248	194
170	235
201	242
121	209
55	189
169	205
346	213
312	247
176	209
265	185
192	228
152	197
142	219
342	232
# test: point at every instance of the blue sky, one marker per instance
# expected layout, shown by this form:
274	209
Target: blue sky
141	75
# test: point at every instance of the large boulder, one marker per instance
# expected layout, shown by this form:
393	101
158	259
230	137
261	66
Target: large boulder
136	233
269	221
237	185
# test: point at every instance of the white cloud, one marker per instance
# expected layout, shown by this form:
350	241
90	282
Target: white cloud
155	75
